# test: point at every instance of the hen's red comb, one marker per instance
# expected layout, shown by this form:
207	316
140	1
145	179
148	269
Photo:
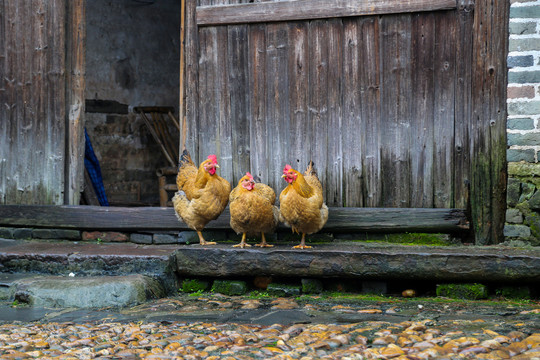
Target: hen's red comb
213	159
287	168
249	176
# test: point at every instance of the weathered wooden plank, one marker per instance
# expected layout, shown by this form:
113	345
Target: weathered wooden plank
352	114
333	185
278	107
423	141
257	86
443	115
395	119
192	76
238	93
318	117
488	169
210	87
299	62
463	103
34	90
312	9
154	218
369	171
75	100
5	125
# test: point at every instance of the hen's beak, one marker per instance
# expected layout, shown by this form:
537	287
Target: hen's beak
283	175
216	166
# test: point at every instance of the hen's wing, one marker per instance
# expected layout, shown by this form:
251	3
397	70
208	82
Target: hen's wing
266	192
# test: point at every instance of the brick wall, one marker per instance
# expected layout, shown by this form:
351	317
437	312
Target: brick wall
523	214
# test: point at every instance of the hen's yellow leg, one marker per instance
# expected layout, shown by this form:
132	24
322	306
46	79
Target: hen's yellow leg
202	241
302	243
263	242
243	243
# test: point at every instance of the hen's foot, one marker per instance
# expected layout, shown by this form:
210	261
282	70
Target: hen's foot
242	245
264	245
208	242
301	247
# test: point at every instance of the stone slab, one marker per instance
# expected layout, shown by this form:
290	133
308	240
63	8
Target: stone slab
87	292
459	263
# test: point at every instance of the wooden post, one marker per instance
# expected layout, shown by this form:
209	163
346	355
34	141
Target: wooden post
488	121
75	87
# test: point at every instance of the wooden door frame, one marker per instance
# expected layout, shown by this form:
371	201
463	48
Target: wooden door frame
75	46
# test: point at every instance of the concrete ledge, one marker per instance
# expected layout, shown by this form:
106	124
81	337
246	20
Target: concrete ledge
365	262
87	292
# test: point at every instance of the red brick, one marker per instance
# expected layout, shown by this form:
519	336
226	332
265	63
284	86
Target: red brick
108	236
517	92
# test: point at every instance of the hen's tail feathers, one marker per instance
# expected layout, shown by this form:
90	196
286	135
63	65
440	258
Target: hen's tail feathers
311	169
185	158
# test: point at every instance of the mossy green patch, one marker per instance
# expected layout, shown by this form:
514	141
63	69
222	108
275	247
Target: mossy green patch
194	285
463	291
312	286
514	292
414	239
230	287
280	290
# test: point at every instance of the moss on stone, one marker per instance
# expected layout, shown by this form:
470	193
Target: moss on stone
230	287
514	292
194	285
523	169
276	289
463	291
312	286
418	239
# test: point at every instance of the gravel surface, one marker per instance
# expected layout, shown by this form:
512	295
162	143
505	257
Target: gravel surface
281	328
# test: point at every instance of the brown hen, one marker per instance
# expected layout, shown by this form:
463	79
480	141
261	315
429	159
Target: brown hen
253	210
301	203
202	194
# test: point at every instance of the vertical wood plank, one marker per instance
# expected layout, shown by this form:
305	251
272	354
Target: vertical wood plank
395	146
222	97
257	104
423	142
5	112
278	109
463	103
488	135
208	118
318	95
299	63
334	154
192	80
352	83
34	88
370	127
238	91
443	116
75	99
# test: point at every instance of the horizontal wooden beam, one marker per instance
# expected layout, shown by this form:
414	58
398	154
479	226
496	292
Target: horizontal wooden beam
156	218
312	9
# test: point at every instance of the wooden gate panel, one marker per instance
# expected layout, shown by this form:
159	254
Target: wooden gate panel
395	102
33	102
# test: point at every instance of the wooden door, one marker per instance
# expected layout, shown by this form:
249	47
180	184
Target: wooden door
399	104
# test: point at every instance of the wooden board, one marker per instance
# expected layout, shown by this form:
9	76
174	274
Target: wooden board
33	104
154	218
312	9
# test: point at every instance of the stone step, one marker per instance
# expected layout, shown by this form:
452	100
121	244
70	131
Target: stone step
366	262
80	292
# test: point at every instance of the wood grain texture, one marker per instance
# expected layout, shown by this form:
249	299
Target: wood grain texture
312	9
154	218
33	102
384	105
